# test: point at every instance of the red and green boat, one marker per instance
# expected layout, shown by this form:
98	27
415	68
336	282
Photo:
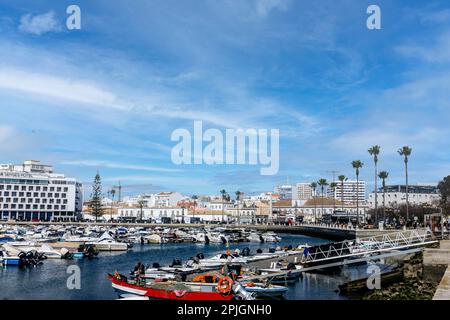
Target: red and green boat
173	290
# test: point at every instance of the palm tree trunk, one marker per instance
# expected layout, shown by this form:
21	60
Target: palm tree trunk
357	199
407	203
239	217
322	203
376	196
222	210
384	203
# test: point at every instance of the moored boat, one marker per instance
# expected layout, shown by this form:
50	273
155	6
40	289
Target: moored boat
174	290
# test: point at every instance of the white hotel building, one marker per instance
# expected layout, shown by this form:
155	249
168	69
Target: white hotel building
32	191
351	191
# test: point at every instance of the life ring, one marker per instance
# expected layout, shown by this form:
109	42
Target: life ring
225	285
180	293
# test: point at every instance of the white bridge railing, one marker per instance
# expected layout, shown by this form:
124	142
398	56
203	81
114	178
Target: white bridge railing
367	246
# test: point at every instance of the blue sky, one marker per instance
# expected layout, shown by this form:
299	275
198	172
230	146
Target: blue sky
107	97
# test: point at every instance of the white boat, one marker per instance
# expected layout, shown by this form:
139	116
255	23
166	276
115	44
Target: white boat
270	237
107	243
155	238
265	290
216	237
154	273
255	237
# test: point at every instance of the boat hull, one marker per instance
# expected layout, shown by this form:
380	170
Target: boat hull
123	286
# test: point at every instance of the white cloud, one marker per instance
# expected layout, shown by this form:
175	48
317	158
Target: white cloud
57	87
436	51
39	24
264	7
113	165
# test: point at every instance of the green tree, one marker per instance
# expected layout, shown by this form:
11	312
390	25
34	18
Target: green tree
333	186
383	175
444	189
322	183
141	204
405	152
357	164
374	152
342	179
224	194
96	197
314	187
238	198
194	197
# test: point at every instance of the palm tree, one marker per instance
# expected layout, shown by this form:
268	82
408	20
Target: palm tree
141	204
406	152
383	175
314	187
375	151
342	179
357	164
224	195
194	197
333	186
238	197
322	183
113	193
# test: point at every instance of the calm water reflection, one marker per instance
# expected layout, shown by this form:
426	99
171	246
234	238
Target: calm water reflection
48	281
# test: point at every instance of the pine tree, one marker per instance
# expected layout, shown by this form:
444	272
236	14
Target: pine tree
96	197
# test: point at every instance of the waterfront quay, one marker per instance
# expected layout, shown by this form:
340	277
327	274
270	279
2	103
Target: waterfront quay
324	231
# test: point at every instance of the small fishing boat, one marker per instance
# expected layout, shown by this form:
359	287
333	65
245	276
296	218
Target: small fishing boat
262	290
171	290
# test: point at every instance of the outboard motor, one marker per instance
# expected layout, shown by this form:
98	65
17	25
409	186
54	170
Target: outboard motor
241	293
290	247
155	265
200	256
261	239
271	250
175	262
245	252
206	239
291	266
259	251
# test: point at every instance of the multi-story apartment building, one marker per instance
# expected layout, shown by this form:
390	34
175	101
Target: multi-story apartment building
349	192
303	191
32	191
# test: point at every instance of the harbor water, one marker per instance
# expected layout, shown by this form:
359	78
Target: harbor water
49	280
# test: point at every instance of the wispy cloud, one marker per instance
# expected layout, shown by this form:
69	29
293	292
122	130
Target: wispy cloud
57	87
40	23
114	165
264	7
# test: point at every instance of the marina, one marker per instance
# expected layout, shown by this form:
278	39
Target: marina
244	265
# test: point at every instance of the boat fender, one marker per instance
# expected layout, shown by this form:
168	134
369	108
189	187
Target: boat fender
225	285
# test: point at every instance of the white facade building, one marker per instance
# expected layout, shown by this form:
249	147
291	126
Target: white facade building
32	191
303	191
155	214
396	195
351	191
163	199
217	205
